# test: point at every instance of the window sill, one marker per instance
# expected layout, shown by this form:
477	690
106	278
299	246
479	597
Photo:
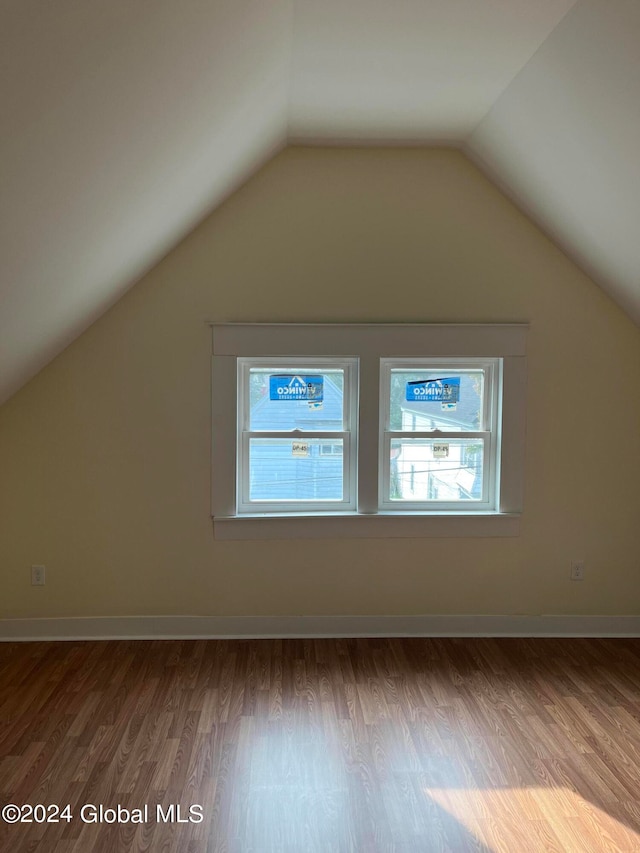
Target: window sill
359	526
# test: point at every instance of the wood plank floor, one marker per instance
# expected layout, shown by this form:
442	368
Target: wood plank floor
295	746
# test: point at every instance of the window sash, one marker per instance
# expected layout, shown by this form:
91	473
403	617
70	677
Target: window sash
489	434
348	435
296	505
490	368
482	504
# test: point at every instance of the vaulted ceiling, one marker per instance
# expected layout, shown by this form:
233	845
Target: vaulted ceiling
126	121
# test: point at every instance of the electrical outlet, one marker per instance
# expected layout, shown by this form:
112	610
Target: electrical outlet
38	575
577	570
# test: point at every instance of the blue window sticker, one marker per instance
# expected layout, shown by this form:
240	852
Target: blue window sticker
289	386
433	390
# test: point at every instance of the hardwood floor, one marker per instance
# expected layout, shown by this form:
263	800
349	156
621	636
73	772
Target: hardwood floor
295	746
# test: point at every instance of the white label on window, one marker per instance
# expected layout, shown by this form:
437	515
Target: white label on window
440	451
449	407
300	449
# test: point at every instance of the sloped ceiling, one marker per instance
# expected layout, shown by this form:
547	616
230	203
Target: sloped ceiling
126	121
410	70
564	140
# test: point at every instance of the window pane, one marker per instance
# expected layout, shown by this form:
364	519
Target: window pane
436	470
437	398
296	397
285	469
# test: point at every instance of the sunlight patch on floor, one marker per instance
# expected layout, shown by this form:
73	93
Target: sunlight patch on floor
539	819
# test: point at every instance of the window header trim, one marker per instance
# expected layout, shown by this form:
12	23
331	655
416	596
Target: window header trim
383	340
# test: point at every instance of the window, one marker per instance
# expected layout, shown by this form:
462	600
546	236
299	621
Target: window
367	430
296	443
439	437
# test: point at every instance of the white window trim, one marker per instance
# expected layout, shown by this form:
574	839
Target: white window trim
369	343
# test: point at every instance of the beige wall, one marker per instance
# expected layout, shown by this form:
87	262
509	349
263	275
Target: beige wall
104	456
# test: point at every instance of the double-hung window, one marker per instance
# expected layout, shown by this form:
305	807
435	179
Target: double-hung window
367	430
297	439
439	437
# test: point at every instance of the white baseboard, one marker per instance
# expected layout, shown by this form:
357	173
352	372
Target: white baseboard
258	627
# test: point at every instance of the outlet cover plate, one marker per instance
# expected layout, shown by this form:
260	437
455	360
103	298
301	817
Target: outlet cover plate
577	570
38	575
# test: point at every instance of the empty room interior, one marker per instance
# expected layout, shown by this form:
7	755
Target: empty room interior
320	426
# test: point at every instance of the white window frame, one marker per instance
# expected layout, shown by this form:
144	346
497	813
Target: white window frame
490	434
348	435
369	344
